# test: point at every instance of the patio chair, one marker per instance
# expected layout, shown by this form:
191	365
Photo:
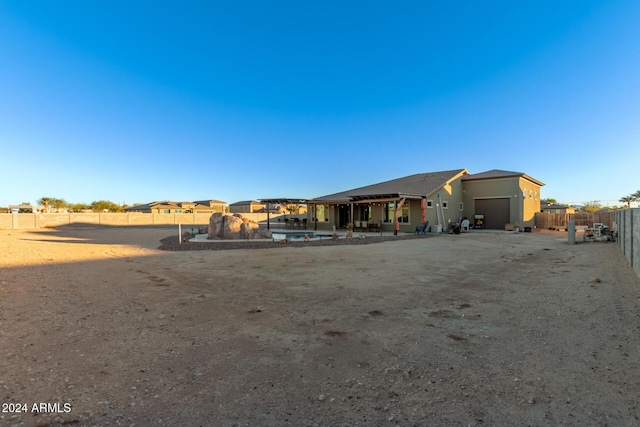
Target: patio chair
422	229
465	225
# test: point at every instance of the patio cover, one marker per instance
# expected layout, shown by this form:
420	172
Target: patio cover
281	201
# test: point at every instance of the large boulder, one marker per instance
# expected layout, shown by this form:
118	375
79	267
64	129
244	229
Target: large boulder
234	226
215	225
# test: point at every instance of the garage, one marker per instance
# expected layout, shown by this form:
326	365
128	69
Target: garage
496	212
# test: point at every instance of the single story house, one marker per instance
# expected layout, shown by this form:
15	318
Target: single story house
501	197
26	208
247	206
554	208
166	207
204	206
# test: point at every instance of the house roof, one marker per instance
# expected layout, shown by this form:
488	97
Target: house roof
245	202
206	202
167	204
554	206
285	201
498	174
153	205
414	186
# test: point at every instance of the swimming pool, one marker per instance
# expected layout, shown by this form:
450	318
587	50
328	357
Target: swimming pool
299	235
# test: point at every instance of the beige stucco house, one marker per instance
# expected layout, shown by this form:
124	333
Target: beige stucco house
502	197
554	208
247	206
166	207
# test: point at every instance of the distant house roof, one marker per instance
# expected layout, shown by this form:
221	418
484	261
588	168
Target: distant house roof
497	174
32	207
198	205
544	206
154	205
285	201
413	186
246	202
207	202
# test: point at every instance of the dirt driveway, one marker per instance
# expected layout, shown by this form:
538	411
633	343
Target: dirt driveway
474	329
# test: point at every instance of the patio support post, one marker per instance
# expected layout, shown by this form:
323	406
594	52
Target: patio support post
396	224
315	217
351	218
268	216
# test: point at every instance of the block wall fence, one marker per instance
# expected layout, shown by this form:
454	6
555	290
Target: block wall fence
26	221
627	222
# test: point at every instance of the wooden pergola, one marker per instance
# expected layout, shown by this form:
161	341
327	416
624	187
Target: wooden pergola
281	201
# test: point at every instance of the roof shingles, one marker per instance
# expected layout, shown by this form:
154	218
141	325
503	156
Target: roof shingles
417	185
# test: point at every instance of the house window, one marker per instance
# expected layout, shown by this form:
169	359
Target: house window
178	211
321	213
445	204
429	204
535	195
530	194
524	193
166	211
461	207
403	215
389	211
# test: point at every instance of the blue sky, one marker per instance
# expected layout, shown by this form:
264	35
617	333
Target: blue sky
140	101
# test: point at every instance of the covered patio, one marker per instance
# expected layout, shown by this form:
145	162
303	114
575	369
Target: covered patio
291	221
368	212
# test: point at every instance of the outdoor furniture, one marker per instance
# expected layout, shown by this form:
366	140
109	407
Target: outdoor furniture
287	223
304	223
296	223
422	229
374	226
465	225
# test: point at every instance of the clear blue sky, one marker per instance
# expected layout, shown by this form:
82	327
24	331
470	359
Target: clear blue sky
135	101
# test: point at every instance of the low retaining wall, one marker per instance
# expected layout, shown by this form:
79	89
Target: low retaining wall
627	222
26	221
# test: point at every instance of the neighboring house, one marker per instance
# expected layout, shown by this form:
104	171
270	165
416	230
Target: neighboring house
157	207
503	197
247	206
166	207
26	208
554	208
210	206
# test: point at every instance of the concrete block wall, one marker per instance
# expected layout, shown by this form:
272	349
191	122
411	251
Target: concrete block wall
26	221
627	222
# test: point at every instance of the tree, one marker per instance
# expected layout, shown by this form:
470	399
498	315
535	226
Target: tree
636	196
591	206
44	201
52	203
79	207
549	201
292	208
627	200
105	205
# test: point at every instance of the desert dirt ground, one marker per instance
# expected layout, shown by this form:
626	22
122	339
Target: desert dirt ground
482	328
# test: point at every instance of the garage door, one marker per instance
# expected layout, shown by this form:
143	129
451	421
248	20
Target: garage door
496	212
